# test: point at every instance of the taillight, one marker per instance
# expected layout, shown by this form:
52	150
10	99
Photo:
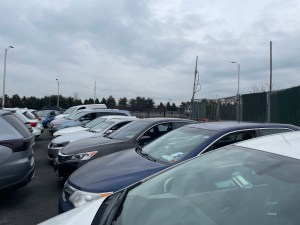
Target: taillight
32	124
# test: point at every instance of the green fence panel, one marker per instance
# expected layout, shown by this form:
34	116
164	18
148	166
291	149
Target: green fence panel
285	106
227	112
254	107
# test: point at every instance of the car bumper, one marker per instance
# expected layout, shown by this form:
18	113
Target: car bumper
64	169
18	180
64	205
53	152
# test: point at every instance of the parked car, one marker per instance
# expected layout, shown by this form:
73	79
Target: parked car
47	116
83	117
139	132
31	116
80	107
106	125
124	168
251	182
16	152
86	126
27	116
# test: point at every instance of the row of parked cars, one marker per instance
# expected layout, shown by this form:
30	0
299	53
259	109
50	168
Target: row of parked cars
123	170
171	171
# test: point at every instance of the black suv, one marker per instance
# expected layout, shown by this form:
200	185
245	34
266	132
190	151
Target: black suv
16	152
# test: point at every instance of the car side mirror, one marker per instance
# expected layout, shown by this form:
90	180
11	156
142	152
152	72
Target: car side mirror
108	133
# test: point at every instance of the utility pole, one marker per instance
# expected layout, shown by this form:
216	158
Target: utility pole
197	86
95	93
270	92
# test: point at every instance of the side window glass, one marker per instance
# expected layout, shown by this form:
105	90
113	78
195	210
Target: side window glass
233	138
179	124
159	130
273	131
89	116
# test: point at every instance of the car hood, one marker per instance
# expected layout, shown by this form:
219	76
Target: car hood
113	172
80	146
75	136
78	216
69	130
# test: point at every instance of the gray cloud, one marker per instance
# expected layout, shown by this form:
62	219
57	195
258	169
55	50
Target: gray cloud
148	48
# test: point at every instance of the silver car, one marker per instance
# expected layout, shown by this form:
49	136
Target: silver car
16	152
108	125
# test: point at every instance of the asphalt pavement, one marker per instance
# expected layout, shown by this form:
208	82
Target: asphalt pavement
37	201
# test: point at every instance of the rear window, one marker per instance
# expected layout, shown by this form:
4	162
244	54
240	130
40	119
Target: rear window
16	124
29	115
7	132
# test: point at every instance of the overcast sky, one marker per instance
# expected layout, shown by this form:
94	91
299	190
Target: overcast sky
148	48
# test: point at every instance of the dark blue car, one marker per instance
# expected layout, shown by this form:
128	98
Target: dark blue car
47	116
110	173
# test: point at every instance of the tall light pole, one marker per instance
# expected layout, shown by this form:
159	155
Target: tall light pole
238	94
4	74
57	92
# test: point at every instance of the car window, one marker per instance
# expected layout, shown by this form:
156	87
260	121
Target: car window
177	144
229	186
233	138
95	122
28	115
70	110
180	124
105	113
158	130
89	116
12	128
273	131
102	126
130	130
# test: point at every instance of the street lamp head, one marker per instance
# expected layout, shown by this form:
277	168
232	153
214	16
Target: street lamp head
233	62
11	46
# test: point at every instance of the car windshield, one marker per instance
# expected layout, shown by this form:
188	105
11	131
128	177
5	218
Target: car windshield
102	126
94	122
230	186
70	110
77	115
44	112
129	131
176	144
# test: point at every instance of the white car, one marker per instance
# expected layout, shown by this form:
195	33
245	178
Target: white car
86	126
103	125
79	107
250	182
37	128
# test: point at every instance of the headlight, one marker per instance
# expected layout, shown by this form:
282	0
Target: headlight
79	198
81	156
59	145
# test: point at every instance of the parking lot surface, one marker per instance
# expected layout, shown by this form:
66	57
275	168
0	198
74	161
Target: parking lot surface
38	200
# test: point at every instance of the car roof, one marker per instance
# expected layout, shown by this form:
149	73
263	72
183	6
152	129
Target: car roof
4	112
163	119
101	110
286	144
234	125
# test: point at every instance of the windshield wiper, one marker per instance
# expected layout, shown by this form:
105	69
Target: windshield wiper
139	150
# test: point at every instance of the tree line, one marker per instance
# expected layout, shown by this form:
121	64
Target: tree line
67	102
